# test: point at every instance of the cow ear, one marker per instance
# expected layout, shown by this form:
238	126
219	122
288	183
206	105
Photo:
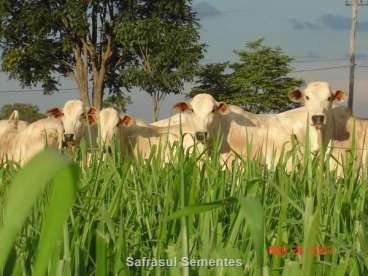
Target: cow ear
339	96
296	96
92	115
92	110
127	120
181	107
54	112
223	108
14	116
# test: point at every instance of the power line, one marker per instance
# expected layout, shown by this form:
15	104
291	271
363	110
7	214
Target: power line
318	60
327	68
241	11
324	59
297	60
321	68
209	14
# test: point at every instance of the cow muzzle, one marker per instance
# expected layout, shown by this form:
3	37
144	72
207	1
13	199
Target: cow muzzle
201	136
68	139
318	121
107	150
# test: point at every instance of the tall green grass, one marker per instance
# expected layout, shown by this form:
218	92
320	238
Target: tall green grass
59	218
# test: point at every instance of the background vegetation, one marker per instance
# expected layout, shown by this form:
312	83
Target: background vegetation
259	81
27	112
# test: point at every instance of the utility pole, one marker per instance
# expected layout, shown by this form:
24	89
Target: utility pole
354	4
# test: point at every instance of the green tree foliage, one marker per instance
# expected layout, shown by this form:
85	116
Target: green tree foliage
43	40
27	112
212	79
259	81
168	50
117	101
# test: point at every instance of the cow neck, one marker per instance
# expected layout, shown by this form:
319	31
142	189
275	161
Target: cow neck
332	126
328	131
315	138
220	127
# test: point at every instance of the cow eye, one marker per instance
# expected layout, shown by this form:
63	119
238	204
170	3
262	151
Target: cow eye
329	99
214	109
307	98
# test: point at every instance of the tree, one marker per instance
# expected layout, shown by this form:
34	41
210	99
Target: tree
213	79
168	52
27	112
259	81
117	101
42	40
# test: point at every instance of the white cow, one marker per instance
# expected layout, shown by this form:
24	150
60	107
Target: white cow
335	126
103	124
196	115
275	130
98	133
73	118
109	122
21	145
318	100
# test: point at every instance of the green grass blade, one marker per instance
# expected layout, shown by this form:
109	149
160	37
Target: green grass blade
311	227
60	202
200	208
101	251
254	215
27	185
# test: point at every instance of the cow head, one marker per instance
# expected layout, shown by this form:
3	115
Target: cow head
72	116
318	99
110	121
200	113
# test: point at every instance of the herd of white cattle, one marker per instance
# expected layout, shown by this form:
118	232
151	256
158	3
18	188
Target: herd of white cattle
321	120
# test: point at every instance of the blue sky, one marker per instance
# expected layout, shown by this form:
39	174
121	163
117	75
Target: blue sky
310	28
315	32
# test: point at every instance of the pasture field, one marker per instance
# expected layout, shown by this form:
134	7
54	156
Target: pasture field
61	217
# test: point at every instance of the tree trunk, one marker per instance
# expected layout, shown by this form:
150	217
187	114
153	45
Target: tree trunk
99	67
98	87
156	105
84	96
157	98
156	111
81	74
